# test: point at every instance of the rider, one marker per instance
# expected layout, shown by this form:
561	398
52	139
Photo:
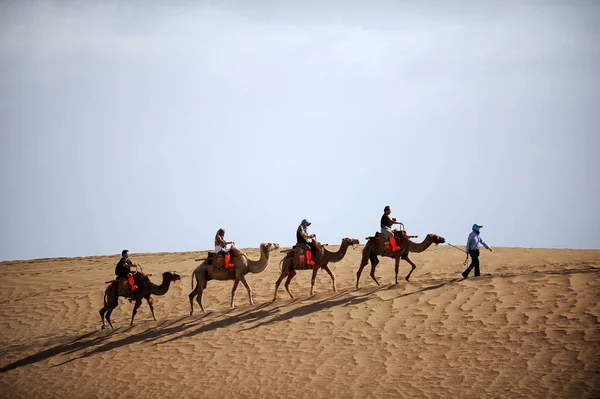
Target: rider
302	238
220	245
123	269
386	227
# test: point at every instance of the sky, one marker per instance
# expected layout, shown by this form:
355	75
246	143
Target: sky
149	125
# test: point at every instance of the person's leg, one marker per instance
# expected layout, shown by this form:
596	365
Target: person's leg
390	235
227	256
465	274
309	253
131	282
395	247
475	262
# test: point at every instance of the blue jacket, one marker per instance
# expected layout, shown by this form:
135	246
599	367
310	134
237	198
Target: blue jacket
474	240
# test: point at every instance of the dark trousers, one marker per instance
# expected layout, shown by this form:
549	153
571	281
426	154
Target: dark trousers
474	264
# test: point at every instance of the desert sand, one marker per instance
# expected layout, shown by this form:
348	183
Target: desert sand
527	328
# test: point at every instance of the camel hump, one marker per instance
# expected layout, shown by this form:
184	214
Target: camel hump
235	252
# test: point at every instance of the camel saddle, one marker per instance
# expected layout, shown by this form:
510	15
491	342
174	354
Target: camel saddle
298	255
384	247
123	287
218	260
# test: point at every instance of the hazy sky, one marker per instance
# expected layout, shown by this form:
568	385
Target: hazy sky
148	127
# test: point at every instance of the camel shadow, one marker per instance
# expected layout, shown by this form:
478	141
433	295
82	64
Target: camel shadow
428	288
77	344
248	316
263	311
341	298
175	328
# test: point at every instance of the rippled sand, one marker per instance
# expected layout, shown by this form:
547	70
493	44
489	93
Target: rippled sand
527	328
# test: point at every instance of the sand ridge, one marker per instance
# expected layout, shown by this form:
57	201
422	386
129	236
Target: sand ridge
527	328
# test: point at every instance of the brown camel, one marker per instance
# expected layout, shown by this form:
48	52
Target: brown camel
322	258
372	249
146	288
243	265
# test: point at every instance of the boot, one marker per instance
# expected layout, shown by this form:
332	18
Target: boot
228	263
132	284
394	246
309	260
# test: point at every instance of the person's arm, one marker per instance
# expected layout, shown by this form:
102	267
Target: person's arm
484	244
393	221
306	235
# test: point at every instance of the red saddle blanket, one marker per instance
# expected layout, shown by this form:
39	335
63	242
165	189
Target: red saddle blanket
383	244
218	260
300	258
123	287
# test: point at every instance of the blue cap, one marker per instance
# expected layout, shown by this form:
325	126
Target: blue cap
476	227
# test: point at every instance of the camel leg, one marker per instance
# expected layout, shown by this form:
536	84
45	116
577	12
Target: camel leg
278	282
111	301
288	281
363	263
313	279
103	311
138	303
243	279
199	298
192	296
411	270
108	302
396	267
374	262
235	285
151	304
109	312
326	268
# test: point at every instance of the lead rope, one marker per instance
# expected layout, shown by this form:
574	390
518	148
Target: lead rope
462	250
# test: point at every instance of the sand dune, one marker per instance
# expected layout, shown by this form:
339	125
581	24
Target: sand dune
527	328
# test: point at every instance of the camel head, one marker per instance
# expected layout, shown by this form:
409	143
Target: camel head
269	246
350	241
171	276
436	239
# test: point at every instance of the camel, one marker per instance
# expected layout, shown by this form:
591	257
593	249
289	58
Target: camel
322	258
206	271
145	289
372	250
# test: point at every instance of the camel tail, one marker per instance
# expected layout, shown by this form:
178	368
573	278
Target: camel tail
193	276
281	262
